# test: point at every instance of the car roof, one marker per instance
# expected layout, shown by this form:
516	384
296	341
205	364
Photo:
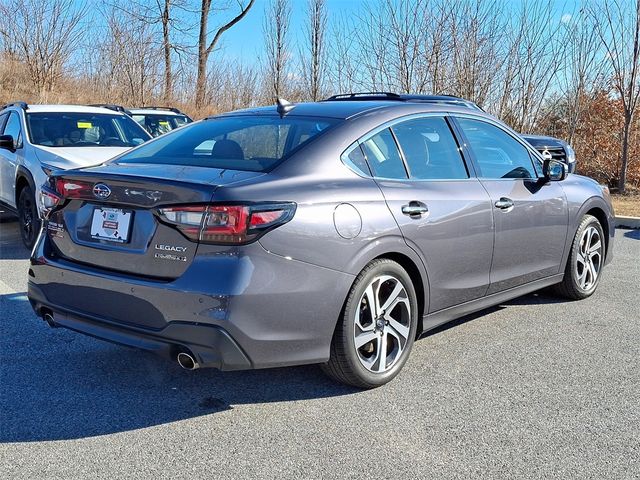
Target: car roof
344	110
153	111
69	109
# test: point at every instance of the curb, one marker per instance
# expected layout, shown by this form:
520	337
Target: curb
627	222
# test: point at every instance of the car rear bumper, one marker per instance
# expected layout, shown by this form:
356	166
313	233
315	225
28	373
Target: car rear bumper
236	308
210	345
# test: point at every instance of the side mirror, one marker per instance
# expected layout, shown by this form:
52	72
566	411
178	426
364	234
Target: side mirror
554	170
6	142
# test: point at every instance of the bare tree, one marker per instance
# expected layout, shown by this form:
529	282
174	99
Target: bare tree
128	69
161	16
165	16
583	69
475	32
276	33
534	46
618	28
314	59
342	68
44	33
205	47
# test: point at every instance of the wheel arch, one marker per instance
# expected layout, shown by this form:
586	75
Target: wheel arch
598	208
604	222
23	179
416	278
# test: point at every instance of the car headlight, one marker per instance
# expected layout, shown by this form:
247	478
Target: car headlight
47	169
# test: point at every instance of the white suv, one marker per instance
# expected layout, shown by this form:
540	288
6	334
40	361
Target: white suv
159	120
36	139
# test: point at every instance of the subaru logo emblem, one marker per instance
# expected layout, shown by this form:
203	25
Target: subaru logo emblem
100	190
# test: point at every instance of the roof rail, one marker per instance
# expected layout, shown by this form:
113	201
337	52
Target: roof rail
404	97
363	96
110	106
22	105
442	99
170	109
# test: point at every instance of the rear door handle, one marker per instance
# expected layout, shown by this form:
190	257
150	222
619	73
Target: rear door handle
504	203
415	209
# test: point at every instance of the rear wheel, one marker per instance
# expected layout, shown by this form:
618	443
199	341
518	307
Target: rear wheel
586	259
28	217
377	329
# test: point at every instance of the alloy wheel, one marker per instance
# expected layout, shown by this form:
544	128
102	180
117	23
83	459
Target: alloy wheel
589	258
27	218
382	323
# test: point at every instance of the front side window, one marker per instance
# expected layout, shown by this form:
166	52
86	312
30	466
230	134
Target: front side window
383	156
497	153
429	149
13	128
3	119
251	143
62	129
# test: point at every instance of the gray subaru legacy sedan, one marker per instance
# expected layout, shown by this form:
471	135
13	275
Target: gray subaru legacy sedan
334	232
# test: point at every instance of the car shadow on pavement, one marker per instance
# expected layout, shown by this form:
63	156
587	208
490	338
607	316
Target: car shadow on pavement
540	297
11	247
59	385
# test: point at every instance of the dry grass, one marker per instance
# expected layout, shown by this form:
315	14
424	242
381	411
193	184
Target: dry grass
627	205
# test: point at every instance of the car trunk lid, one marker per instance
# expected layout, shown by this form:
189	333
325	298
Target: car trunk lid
110	216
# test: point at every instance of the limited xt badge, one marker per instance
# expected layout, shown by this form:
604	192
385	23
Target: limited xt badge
170	248
170	256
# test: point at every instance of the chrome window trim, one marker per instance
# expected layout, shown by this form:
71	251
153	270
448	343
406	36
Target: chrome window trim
511	133
389	124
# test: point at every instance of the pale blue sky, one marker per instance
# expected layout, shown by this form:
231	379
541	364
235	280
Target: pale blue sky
246	38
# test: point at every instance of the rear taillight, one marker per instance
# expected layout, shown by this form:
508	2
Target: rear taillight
73	188
227	224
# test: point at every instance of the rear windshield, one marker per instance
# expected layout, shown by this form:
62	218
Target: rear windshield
58	129
238	143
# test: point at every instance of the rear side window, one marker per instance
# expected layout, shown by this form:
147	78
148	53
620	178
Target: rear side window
356	160
497	153
429	149
252	143
383	156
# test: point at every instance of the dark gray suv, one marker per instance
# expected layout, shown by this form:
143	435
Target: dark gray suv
334	232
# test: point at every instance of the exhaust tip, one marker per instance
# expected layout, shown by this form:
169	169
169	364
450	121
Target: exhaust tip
186	361
48	317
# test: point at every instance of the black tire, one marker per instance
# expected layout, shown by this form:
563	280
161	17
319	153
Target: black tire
28	217
345	364
571	287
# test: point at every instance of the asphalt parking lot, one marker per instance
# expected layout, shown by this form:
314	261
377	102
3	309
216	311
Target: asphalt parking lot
535	388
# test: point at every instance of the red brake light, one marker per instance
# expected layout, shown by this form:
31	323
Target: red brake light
227	224
73	188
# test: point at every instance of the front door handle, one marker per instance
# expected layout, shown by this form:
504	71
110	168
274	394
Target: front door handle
415	209
504	203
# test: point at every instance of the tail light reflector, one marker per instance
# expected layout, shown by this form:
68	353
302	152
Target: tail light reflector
49	199
227	224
